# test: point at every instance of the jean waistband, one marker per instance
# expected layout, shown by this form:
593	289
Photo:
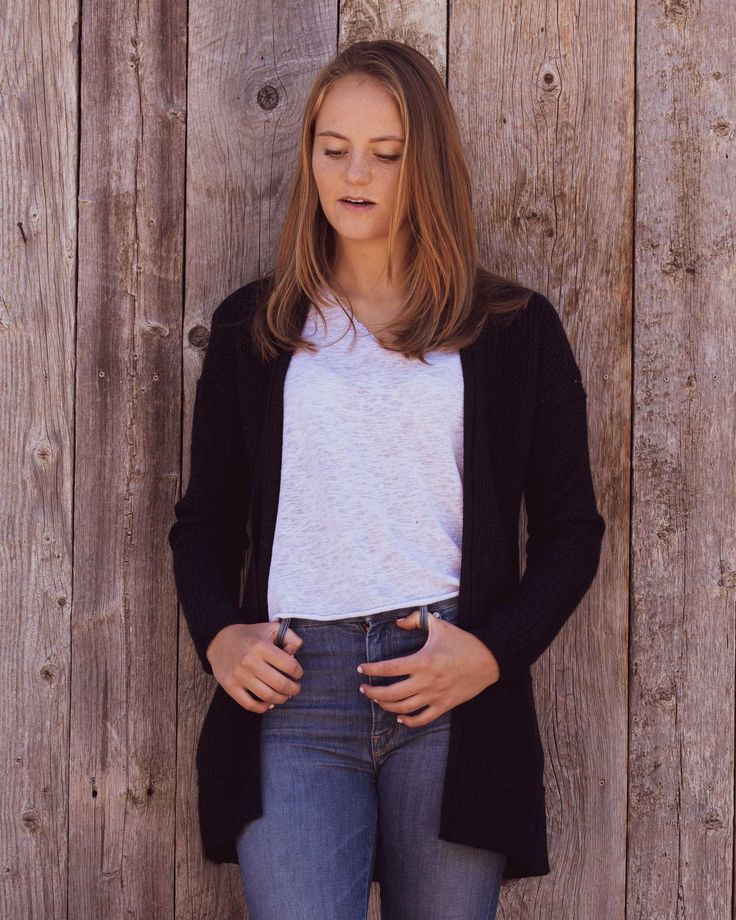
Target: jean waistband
434	607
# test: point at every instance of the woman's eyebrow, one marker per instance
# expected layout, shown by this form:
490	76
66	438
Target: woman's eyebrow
373	140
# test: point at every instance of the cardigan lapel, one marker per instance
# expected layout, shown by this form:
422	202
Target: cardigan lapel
484	543
270	486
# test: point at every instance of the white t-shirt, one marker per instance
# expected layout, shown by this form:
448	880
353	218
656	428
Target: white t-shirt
370	503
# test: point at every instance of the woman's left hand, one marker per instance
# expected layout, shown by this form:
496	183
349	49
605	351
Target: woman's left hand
451	667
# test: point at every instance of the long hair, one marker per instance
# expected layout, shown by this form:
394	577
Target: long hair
447	295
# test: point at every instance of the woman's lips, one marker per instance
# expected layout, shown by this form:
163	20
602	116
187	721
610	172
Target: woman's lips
358	207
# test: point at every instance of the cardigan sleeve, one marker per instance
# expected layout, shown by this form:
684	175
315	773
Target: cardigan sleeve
209	538
564	526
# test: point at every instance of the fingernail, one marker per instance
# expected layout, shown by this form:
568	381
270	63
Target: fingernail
361	689
272	705
360	670
399	720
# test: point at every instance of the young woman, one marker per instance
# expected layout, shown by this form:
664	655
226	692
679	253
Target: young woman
368	419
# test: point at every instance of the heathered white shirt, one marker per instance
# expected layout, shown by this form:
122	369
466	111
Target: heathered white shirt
370	503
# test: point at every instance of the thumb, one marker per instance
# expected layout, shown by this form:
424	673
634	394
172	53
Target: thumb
411	621
292	642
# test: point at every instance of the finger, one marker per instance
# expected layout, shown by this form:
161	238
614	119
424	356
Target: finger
407	705
391	666
272	677
292	642
244	698
412	620
411	704
264	690
392	693
424	718
281	659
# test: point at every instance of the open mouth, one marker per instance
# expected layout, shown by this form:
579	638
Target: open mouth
357	204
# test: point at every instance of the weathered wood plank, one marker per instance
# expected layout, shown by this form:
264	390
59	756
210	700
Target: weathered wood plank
38	130
123	694
680	830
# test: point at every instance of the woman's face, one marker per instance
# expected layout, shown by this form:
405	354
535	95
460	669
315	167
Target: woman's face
363	162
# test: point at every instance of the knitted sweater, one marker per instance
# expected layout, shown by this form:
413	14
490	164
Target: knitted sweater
525	436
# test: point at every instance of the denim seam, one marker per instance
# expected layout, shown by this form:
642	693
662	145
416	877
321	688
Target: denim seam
374	856
491	911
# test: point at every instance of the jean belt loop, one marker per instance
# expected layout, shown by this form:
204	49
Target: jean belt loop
424	617
281	635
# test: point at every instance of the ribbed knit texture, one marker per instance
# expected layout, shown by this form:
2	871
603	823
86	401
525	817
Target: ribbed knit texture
209	538
525	436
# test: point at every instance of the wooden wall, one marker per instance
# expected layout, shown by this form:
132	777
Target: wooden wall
145	157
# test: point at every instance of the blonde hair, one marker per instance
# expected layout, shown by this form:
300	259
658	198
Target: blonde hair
448	295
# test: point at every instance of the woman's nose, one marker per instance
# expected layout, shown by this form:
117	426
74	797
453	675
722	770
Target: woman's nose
356	167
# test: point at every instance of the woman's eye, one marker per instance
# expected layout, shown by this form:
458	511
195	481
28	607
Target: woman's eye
337	153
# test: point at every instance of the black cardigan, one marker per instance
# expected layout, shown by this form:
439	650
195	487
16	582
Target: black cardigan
525	434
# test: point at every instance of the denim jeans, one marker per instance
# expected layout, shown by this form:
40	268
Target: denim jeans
344	784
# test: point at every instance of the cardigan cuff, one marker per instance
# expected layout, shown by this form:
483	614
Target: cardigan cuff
518	632
512	662
201	643
207	579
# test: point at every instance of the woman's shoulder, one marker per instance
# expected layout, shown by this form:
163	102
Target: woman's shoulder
538	317
542	310
238	307
555	354
537	308
545	320
528	314
502	300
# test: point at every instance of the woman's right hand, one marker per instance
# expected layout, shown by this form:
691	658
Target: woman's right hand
244	657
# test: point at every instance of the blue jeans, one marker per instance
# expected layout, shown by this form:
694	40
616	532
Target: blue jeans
344	784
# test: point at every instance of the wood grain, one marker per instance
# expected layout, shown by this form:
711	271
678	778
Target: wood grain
123	727
683	584
38	216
